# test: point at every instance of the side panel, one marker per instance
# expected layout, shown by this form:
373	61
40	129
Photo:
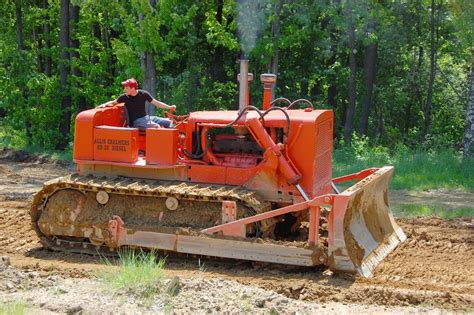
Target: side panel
84	135
310	150
207	174
112	169
86	121
115	144
162	146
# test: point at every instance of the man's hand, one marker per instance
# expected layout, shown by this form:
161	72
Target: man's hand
172	108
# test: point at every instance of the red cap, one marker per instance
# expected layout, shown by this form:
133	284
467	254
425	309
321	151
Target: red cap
130	83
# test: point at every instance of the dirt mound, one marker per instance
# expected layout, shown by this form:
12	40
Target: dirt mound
21	156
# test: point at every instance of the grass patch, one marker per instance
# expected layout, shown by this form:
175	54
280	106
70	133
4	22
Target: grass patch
408	210
13	308
139	274
414	170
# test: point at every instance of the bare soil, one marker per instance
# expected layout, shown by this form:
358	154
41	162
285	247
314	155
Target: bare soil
433	270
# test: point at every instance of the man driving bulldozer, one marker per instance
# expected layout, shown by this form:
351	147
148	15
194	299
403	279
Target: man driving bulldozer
135	102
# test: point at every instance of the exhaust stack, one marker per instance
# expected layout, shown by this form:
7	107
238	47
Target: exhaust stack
244	78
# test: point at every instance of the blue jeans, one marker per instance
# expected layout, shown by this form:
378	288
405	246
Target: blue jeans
150	121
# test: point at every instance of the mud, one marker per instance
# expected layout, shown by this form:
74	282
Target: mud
433	268
136	211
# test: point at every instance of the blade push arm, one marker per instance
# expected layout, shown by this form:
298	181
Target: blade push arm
266	142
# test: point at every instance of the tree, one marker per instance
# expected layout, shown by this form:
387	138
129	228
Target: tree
464	18
348	127
75	58
469	130
217	66
273	67
21	54
46	30
65	123
370	62
147	57
332	89
433	48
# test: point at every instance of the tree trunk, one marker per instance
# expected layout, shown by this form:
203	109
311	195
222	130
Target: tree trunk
147	61
21	52
149	82
19	26
370	62
421	53
332	89
348	127
108	47
65	124
38	48
217	66
96	32
48	62
332	93
76	71
342	117
379	115
429	95
417	97
273	67
468	142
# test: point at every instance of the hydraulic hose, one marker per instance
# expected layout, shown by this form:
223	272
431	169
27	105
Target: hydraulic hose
301	100
242	112
280	99
287	119
196	156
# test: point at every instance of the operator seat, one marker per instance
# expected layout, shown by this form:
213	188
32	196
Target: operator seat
141	131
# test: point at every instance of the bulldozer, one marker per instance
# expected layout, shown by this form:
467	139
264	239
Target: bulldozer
249	184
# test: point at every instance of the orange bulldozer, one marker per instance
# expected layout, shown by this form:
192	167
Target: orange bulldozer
253	184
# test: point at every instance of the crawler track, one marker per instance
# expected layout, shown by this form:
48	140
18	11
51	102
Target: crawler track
137	202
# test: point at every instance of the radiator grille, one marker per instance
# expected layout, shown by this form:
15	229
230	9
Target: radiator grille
323	159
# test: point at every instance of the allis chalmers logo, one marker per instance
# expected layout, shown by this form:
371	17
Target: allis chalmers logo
112	144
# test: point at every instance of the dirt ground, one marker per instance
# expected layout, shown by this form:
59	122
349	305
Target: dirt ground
432	271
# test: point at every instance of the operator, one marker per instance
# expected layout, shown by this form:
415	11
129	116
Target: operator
135	101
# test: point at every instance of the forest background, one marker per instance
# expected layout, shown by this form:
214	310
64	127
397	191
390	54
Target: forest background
398	74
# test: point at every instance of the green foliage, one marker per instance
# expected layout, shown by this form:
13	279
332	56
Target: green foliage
139	274
195	49
414	169
11	137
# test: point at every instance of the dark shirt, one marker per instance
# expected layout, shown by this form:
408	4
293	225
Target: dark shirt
135	104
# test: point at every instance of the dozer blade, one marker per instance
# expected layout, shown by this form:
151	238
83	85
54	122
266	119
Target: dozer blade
362	230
